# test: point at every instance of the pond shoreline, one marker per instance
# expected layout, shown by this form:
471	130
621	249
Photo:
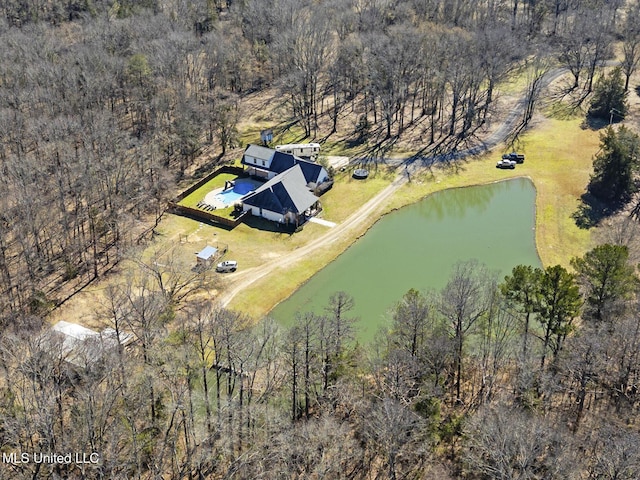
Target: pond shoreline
530	189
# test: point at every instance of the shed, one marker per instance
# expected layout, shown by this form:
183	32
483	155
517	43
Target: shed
266	136
206	256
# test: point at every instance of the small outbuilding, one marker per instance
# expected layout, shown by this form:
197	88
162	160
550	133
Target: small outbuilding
266	136
206	256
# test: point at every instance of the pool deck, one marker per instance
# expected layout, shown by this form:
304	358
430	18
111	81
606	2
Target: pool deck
210	199
213	197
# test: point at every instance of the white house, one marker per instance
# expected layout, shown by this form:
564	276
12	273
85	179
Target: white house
283	199
258	160
266	163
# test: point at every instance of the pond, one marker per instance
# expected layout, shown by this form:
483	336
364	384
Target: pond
416	247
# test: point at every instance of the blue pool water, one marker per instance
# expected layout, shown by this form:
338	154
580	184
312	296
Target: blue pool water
243	187
239	190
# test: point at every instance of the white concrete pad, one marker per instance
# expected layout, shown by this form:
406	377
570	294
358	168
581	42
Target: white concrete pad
320	221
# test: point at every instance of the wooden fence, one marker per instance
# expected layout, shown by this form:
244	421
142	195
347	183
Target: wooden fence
201	214
225	169
205	216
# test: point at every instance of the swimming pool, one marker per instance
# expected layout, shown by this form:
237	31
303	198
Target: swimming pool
240	189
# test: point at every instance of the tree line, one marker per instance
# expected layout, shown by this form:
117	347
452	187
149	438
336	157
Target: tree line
530	376
105	105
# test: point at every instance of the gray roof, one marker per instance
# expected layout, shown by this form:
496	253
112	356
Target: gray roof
80	345
258	151
207	252
281	162
286	192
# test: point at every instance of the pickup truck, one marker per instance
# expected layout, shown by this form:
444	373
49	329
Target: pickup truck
513	156
506	163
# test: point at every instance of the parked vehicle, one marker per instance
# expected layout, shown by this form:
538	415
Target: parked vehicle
516	157
227	266
506	163
305	150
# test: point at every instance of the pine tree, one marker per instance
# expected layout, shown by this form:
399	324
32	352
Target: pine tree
607	278
609	98
614	166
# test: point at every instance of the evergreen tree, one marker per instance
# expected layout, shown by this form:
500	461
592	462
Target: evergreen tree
559	302
522	288
614	166
607	278
609	97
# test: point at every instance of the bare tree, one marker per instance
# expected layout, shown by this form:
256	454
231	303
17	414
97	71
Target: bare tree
410	319
631	42
303	50
613	453
506	443
464	301
496	333
394	428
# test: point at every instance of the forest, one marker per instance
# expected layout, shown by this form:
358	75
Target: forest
108	107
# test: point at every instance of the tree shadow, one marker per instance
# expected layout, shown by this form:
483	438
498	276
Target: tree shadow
207	167
591	211
564	109
354	142
595	123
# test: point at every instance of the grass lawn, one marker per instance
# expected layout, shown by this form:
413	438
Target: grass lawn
348	194
197	196
559	156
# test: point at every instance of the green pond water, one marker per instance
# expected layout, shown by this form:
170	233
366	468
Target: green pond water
416	246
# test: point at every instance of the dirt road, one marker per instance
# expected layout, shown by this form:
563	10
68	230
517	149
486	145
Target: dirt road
241	280
244	279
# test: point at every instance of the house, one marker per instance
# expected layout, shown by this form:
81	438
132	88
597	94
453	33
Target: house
263	162
314	173
258	160
283	199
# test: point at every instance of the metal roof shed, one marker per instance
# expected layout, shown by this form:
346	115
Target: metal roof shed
206	255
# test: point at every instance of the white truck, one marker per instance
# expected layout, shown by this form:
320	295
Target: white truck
227	266
506	163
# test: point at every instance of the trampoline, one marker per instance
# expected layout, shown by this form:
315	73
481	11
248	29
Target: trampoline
360	173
